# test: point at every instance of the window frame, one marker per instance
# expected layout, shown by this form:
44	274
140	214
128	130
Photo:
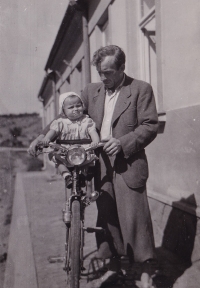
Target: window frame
145	43
154	13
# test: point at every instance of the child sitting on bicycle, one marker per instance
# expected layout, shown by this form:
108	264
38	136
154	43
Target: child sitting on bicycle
73	124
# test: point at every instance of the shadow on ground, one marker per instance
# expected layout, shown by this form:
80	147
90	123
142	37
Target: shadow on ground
174	255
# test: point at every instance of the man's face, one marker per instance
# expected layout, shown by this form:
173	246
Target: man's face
110	75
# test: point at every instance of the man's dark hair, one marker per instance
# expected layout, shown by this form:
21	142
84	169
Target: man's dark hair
110	50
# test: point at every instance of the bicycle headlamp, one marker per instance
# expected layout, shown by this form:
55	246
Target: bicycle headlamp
76	155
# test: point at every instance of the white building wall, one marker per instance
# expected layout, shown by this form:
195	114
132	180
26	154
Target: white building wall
181	56
117	31
118	24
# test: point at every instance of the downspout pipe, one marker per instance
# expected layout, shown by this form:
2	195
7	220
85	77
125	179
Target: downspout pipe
55	94
52	75
86	45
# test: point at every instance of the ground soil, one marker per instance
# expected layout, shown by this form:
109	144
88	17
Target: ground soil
11	162
27	125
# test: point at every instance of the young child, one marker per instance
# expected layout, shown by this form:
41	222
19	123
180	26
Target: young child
72	124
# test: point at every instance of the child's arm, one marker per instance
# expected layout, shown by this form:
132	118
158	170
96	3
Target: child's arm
93	133
32	148
95	138
48	137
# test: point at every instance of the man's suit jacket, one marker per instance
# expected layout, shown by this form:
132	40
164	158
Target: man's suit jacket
134	123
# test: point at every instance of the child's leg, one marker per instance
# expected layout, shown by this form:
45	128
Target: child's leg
63	169
65	174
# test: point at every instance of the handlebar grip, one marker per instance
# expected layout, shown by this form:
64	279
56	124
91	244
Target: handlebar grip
40	146
101	144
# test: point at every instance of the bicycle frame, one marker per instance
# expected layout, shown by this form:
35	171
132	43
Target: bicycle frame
75	195
73	216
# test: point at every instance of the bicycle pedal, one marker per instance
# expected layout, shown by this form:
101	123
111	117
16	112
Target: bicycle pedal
94	229
66	270
56	259
83	268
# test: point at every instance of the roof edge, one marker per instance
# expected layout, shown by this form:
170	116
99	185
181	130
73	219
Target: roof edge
69	14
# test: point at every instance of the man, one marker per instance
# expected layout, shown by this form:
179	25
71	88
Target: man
125	114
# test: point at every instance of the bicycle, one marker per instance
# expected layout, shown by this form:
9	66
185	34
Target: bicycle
80	160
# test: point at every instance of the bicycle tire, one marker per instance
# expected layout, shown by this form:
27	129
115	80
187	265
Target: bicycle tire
75	235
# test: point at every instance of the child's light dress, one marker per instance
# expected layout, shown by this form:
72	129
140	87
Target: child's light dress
70	130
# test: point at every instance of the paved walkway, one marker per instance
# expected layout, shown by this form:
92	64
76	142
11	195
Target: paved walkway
37	232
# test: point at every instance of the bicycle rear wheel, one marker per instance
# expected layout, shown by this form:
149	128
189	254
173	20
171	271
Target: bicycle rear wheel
75	235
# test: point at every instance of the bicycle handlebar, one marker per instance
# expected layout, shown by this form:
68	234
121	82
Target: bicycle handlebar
74	141
101	144
62	148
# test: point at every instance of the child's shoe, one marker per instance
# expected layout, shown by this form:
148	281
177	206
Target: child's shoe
68	179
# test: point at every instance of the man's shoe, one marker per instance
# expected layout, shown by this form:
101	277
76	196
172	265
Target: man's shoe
108	277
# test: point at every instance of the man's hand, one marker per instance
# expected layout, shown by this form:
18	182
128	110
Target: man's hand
32	148
112	146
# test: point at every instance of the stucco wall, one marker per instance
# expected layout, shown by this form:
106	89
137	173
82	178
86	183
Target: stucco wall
174	156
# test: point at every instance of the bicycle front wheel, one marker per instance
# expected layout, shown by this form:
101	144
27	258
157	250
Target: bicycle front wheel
75	235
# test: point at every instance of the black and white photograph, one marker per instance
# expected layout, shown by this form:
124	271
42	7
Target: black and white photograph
99	143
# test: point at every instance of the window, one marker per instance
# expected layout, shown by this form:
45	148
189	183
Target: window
148	36
79	66
151	53
105	34
146	5
104	28
68	79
